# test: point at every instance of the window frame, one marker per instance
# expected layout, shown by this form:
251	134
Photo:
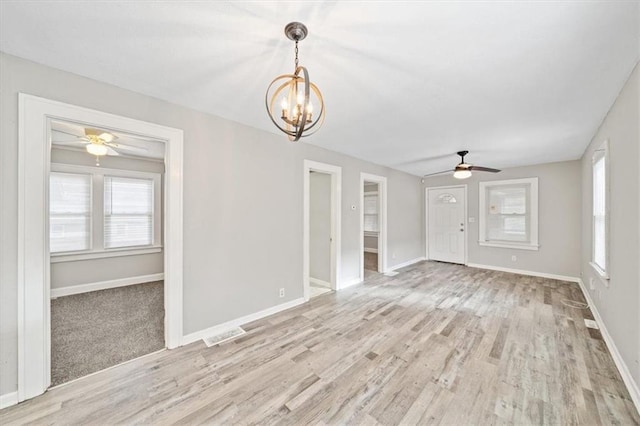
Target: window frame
601	152
532	244
98	250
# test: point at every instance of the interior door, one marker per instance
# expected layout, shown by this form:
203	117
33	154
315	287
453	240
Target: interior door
446	224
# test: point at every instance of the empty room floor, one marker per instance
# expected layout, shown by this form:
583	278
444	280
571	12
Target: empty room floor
436	344
96	330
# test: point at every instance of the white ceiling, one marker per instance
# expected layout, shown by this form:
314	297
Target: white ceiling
406	84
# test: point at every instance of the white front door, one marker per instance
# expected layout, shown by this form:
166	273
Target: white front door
446	224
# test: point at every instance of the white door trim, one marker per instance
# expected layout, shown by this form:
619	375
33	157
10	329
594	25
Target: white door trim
466	219
336	222
34	286
382	220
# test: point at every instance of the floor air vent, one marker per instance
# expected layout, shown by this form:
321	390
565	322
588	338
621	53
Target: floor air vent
223	337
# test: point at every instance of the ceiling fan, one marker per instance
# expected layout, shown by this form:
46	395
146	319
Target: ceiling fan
463	170
98	142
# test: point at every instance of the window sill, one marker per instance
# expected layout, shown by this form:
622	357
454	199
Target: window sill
604	277
510	245
128	251
370	234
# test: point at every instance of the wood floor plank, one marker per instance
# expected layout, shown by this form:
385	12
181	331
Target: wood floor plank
436	344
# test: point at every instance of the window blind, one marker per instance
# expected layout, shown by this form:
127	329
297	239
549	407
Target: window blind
69	212
371	213
128	212
508	215
599	213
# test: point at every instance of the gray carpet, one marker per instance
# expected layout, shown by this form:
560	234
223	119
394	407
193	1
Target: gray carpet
93	331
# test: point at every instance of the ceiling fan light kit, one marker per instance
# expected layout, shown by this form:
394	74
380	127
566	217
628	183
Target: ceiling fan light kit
293	115
97	149
462	174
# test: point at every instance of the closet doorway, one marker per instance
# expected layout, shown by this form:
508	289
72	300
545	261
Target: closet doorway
321	236
373	224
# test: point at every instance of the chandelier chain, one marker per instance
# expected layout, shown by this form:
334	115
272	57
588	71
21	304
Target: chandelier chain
296	54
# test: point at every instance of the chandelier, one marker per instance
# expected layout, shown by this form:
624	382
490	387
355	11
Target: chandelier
294	117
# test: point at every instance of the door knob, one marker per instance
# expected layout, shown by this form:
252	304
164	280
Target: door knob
461	230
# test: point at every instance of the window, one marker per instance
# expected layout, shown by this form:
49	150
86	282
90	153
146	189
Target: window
371	212
509	213
70	212
128	212
97	212
600	210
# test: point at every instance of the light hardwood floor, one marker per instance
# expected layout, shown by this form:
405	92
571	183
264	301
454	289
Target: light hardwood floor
371	261
436	344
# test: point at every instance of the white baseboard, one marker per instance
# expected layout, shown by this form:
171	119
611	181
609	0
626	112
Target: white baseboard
632	386
370	250
346	283
524	272
103	285
220	328
321	283
405	264
8	399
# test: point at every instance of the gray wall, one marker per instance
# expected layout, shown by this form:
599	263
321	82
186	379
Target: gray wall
67	274
559	203
227	271
320	226
618	304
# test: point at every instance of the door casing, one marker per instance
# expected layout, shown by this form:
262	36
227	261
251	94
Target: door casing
33	283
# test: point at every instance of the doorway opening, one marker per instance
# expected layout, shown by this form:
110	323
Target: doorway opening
322	233
106	249
446	219
34	258
373	224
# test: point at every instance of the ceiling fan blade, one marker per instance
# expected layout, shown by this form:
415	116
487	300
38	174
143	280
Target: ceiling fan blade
126	147
438	173
67	128
484	169
72	142
111	151
107	137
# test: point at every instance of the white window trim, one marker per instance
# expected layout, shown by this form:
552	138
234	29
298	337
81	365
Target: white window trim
97	249
533	194
602	274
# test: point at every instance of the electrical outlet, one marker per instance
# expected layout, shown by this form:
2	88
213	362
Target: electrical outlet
514	258
282	292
